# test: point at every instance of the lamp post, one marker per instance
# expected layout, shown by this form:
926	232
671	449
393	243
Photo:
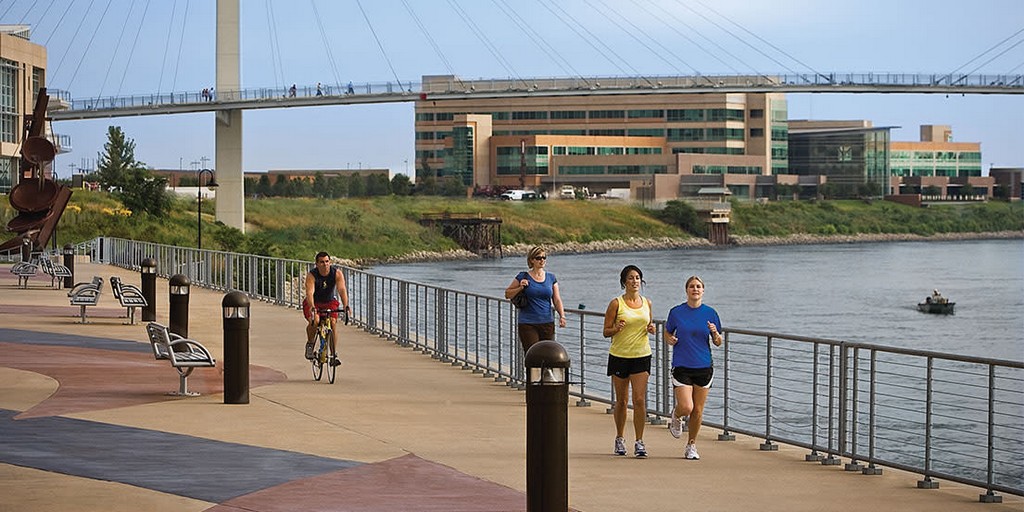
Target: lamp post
210	183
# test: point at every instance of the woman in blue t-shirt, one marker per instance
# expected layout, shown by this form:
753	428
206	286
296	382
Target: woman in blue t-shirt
688	329
541	289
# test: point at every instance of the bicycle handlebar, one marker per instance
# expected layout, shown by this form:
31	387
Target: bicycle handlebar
324	312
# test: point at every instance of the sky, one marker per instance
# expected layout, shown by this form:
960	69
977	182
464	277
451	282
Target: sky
128	47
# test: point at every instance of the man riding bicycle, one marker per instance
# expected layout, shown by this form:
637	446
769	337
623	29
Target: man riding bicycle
325	284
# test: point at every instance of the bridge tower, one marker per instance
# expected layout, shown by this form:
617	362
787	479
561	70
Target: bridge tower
228	130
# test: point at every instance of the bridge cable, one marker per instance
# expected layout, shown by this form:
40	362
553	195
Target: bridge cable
89	45
994	57
61	20
991	48
684	35
1015	68
181	42
327	44
23	16
117	47
539	40
644	44
275	46
589	38
379	45
167	45
13	3
473	27
71	42
430	39
131	53
43	16
759	38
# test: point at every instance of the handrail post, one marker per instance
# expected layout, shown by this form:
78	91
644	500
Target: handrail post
767	445
582	402
725	435
814	456
990	496
871	469
829	459
928	483
853	465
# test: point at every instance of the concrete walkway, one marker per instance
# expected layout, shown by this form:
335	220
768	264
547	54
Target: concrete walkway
85	424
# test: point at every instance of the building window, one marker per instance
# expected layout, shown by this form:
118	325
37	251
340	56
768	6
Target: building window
8	101
568	114
529	115
445	116
425	116
646	114
686	115
607	114
608	133
757	113
645	132
756	132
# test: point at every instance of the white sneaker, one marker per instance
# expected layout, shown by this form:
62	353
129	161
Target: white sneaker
678	425
620	446
309	350
639	450
691	452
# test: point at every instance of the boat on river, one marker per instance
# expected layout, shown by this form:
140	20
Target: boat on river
936	304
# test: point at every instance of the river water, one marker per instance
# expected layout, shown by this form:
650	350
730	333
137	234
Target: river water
864	292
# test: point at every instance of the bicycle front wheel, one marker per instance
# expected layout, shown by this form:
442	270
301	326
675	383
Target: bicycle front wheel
317	362
332	368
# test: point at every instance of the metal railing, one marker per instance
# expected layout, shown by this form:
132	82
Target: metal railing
943	416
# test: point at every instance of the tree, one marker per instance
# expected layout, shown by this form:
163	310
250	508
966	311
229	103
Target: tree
682	214
128	179
401	185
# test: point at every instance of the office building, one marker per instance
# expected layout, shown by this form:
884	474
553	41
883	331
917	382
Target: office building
22	73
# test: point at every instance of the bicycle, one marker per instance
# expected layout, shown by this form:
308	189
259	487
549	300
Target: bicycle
322	345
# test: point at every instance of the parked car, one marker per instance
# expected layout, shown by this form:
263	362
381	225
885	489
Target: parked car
519	195
567	192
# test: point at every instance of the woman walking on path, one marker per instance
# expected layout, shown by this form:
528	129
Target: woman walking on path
688	329
541	289
628	321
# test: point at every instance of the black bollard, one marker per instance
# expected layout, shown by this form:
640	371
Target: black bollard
547	427
178	292
148	269
69	262
236	348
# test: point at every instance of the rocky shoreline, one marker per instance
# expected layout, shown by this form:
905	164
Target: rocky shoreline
654	244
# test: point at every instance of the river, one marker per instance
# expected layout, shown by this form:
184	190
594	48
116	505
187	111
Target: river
865	292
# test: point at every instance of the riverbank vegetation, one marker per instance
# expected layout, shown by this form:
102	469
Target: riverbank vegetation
387	227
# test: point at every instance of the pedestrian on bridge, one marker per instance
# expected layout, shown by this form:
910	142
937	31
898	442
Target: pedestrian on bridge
319	89
690	329
291	91
628	322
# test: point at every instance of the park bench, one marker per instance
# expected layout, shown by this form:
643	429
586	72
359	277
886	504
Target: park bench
129	296
86	294
24	270
184	354
56	271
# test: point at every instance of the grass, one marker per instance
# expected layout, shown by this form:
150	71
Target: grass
384	227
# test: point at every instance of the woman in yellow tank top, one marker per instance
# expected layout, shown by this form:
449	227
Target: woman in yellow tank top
628	322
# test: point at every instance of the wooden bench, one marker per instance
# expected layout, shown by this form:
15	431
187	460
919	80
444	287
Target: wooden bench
129	296
57	272
184	354
86	294
24	270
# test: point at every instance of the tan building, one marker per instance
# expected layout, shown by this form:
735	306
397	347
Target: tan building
937	166
22	73
621	141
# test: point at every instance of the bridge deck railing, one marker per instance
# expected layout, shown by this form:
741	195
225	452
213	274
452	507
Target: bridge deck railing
943	416
790	82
